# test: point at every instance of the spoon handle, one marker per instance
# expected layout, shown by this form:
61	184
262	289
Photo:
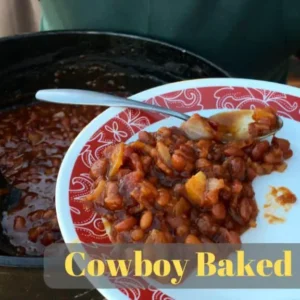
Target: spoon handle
82	97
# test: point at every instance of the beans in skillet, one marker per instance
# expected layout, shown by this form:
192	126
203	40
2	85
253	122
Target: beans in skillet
33	141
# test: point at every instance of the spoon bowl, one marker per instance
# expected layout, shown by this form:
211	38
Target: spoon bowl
235	124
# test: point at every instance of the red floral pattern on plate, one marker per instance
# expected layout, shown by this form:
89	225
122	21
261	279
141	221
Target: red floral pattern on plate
121	127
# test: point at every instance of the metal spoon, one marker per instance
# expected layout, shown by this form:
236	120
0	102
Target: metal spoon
83	97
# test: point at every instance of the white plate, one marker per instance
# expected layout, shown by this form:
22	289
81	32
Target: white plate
214	94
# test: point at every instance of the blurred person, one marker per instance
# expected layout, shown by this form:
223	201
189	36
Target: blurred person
247	38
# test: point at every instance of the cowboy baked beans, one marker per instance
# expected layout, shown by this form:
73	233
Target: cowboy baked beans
166	188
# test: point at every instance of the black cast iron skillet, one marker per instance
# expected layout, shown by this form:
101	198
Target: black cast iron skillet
109	62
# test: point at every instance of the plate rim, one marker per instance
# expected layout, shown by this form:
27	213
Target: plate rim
63	211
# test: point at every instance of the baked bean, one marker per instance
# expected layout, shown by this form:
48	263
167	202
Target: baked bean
281	167
153	180
187	151
256	130
35	232
227	236
53	224
56	162
245	209
181	207
129	182
288	154
137	234
152	152
219	211
233	151
251	174
179	189
175	222
126	224
112	188
259	150
229	223
36	215
203	164
99	168
66	123
161	165
238	168
182	230
146	138
49	214
168	236
136	162
268	168
234	213
225	194
233	237
122	173
58	115
146	161
164	132
113	202
35	137
163	197
127	151
206	225
259	170
156	237
283	144
193	230
203	148
206	240
145	193
108	151
164	153
112	193
219	171
192	239
47	239
178	162
19	223
248	190
275	156
216	153
236	187
146	220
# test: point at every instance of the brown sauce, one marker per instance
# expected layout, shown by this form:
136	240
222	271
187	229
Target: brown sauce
283	196
278	202
274	219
